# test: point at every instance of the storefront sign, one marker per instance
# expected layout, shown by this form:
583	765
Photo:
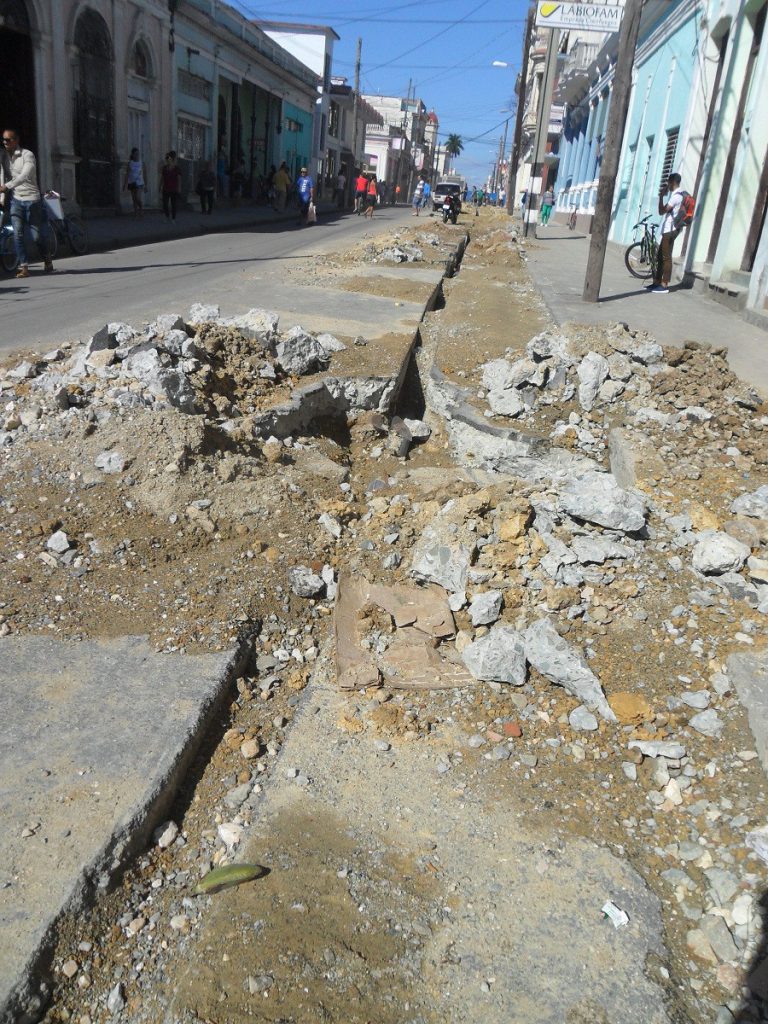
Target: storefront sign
595	17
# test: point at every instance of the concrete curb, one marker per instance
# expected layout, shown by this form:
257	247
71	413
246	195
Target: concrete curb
49	884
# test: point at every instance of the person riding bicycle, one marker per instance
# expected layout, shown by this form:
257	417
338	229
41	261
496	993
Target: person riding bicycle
670	229
18	181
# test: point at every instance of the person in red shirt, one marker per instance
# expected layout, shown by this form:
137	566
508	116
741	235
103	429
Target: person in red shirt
361	187
371	197
170	185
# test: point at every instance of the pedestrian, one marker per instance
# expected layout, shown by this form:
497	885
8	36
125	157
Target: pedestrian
282	182
341	187
397	195
238	180
502	197
427	194
135	181
221	171
371	197
418	197
547	202
170	185
206	187
361	187
670	229
305	187
18	183
523	203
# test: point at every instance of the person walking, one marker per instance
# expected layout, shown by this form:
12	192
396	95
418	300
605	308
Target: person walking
135	181
418	197
371	197
427	196
670	229
547	202
206	187
282	182
305	187
361	187
170	185
18	183
341	187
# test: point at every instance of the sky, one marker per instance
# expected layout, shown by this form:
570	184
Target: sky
443	48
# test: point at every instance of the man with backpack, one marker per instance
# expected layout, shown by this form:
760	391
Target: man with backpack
677	213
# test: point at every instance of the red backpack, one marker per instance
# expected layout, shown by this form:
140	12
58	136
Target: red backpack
685	211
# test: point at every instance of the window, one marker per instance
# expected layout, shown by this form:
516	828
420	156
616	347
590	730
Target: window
669	156
191	139
194	85
333	120
142	66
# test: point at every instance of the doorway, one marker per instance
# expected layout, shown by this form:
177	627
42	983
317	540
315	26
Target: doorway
16	60
94	113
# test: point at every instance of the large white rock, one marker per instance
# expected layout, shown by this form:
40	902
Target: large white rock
754	504
499	656
558	662
299	352
441	557
592	371
597	498
716	553
485	608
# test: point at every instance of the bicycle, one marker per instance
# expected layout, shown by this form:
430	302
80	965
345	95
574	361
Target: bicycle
65	228
641	257
572	219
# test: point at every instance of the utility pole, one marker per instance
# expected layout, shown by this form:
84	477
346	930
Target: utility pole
614	135
517	142
542	131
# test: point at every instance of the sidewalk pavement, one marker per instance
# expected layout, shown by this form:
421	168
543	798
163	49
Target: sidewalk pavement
557	261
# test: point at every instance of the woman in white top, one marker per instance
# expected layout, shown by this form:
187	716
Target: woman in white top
135	177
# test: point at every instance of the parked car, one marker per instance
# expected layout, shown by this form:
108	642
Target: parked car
443	189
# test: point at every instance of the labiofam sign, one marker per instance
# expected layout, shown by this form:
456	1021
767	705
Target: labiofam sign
595	17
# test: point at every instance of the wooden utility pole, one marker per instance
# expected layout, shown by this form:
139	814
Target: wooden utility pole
517	142
350	190
542	131
614	136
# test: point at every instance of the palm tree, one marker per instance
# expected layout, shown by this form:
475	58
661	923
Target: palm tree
453	145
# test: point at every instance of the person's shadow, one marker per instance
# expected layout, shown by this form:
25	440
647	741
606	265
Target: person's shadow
754	1006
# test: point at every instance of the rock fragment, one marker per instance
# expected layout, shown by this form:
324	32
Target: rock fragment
716	553
597	498
558	662
499	656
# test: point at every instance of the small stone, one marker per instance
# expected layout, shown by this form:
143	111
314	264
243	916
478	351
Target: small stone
717	553
135	926
485	608
581	719
708	723
58	542
69	968
630	770
696	698
179	923
116	999
250	749
165	834
112	462
511	730
698	946
304	582
476	741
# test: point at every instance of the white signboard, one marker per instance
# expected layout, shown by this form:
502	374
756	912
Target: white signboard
589	17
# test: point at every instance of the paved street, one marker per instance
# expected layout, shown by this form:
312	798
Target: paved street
237	270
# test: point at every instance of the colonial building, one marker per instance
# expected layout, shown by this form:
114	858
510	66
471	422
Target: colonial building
400	148
348	117
87	80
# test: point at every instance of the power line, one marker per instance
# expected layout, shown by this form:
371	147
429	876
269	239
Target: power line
430	39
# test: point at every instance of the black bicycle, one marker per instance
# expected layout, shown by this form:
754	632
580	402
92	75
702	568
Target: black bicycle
64	229
641	257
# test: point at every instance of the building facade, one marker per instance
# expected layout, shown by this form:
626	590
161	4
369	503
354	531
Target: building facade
87	80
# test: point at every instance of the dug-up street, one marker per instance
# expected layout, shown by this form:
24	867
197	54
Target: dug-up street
443	618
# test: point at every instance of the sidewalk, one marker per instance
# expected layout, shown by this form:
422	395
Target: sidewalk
557	261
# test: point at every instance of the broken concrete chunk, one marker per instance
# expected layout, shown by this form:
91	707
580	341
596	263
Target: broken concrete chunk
330	524
485	608
58	542
558	662
757	840
305	583
598	549
708	723
592	371
330	343
299	353
754	504
203	313
506	403
112	462
597	498
716	553
418	428
581	719
440	557
658	748
22	371
166	323
499	656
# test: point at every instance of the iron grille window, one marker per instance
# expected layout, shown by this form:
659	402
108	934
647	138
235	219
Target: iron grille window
333	120
194	85
191	139
669	156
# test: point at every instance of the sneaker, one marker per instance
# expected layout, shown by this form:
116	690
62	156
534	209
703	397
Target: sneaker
651	286
659	289
23	271
48	267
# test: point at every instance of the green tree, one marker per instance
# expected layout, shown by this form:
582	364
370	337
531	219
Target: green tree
453	145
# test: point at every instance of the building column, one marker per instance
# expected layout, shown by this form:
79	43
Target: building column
587	147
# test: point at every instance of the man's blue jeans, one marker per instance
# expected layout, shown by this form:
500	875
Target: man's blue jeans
30	214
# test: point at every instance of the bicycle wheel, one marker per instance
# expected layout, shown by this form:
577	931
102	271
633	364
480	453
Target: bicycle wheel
637	261
77	234
7	251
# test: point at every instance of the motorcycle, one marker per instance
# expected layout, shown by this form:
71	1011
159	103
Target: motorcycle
450	209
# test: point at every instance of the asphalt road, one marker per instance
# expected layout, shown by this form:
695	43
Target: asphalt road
236	270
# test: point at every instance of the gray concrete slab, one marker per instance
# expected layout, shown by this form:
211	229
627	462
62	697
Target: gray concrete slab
748	672
95	738
557	261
